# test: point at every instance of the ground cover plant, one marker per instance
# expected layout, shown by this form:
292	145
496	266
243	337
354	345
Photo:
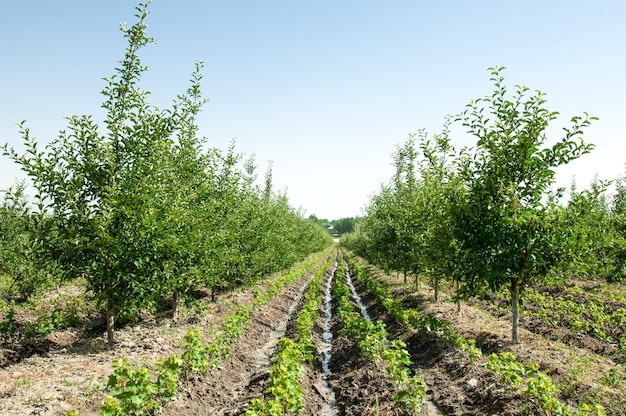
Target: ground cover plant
144	391
286	395
139	383
141	211
549	375
154	274
373	342
425	323
578	316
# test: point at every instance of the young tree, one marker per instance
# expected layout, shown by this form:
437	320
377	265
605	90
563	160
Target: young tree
438	183
20	262
503	219
110	193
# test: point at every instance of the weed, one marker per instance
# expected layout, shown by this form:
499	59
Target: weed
614	378
23	382
8	326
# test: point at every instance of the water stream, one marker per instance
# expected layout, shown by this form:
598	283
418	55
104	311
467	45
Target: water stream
327	336
429	407
356	297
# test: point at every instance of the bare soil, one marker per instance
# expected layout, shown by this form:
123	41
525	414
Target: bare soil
455	386
69	369
579	366
228	389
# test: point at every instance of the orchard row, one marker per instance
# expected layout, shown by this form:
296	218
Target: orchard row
487	217
141	208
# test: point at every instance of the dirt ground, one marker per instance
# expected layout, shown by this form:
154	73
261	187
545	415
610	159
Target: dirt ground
228	389
69	369
455	386
575	363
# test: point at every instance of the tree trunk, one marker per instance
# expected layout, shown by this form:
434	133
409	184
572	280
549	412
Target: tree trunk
175	305
404	273
110	322
436	289
213	294
515	311
457	284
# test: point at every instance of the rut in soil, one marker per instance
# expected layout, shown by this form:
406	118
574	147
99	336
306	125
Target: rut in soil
356	296
327	348
429	408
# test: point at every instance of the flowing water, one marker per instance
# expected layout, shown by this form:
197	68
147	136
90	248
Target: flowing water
429	407
327	336
356	297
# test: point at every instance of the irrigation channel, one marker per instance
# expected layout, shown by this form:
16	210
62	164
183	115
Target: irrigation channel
327	336
327	348
429	407
356	296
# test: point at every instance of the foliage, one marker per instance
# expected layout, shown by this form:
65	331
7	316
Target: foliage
372	342
504	223
536	386
131	391
408	226
143	211
343	225
596	233
20	264
409	389
483	216
135	391
8	325
425	323
585	316
339	226
196	354
285	388
286	395
105	191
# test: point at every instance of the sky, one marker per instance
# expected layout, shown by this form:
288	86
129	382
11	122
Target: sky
326	90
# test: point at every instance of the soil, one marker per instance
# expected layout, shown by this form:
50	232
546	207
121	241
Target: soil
69	369
455	386
228	389
578	368
497	306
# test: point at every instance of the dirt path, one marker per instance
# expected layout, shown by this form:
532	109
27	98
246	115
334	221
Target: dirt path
73	372
228	389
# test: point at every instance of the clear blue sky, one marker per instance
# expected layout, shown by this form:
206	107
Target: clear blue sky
324	89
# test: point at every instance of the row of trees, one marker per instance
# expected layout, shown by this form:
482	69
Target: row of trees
486	217
337	227
141	209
